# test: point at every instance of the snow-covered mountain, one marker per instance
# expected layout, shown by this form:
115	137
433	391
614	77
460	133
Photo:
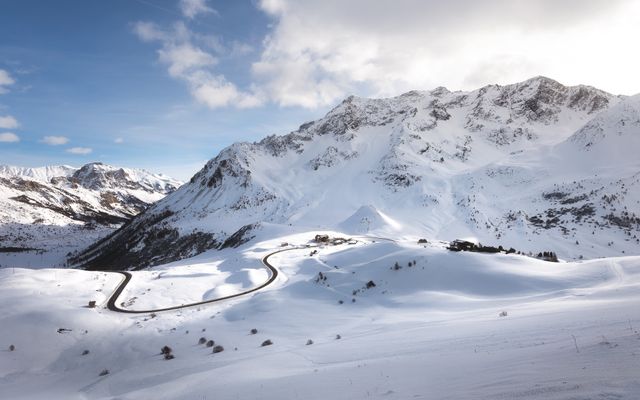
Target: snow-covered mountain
534	165
42	174
42	208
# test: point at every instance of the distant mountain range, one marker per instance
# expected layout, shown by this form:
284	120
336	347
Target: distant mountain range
535	165
42	207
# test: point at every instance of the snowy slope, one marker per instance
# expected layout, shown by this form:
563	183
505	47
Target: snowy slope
502	164
54	208
430	328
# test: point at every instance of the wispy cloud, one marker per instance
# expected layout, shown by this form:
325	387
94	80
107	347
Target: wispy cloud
5	80
9	137
118	140
188	61
8	122
80	150
191	8
55	140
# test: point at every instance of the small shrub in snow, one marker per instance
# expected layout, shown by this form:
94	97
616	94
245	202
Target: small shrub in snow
309	342
422	241
92	304
370	285
169	356
104	372
85	352
502	314
338	337
340	302
396	266
267	342
202	340
210	343
218	349
12	348
254	331
165	350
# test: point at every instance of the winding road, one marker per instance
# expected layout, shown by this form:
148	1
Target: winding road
113	300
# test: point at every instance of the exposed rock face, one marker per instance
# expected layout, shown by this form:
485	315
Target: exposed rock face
439	162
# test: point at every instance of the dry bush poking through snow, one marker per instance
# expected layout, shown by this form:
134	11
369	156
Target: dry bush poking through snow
218	349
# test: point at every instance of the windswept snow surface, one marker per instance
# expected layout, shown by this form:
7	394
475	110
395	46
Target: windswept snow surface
431	330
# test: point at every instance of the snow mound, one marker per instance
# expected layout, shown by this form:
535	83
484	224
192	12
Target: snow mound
368	219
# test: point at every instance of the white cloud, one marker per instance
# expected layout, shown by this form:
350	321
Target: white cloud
8	122
187	61
5	80
55	140
148	31
9	137
318	52
80	150
191	8
184	59
118	140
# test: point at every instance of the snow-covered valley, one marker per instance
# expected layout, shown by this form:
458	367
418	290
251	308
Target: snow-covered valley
374	319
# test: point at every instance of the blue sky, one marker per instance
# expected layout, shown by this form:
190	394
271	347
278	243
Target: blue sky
80	72
166	84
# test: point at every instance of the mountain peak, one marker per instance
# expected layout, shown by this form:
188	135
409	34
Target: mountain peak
424	157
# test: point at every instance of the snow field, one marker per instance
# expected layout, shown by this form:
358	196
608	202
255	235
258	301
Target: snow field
429	331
